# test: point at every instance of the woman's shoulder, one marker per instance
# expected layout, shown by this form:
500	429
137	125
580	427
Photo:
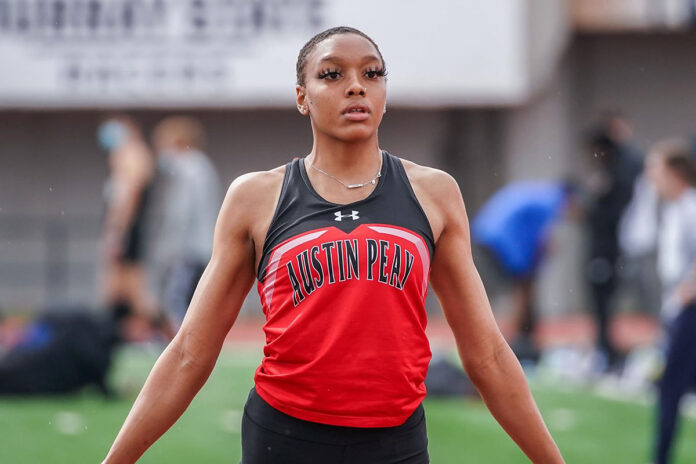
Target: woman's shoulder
256	189
435	190
258	182
431	180
250	199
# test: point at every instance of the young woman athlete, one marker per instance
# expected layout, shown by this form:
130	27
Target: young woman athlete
343	243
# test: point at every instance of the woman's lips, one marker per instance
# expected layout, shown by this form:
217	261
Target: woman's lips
357	113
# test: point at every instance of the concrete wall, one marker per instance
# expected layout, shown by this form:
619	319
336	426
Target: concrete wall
649	77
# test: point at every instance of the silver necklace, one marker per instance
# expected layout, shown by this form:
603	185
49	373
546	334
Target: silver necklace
372	181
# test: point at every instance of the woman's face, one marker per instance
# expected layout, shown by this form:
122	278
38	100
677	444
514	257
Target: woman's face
345	88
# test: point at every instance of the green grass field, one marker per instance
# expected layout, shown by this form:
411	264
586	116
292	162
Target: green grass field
79	429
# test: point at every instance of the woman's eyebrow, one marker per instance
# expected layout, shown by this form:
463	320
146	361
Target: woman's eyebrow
338	59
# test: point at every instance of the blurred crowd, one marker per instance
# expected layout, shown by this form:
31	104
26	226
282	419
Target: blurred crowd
161	203
161	200
621	203
639	213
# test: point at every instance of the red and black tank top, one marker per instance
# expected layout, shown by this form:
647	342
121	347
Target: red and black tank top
343	290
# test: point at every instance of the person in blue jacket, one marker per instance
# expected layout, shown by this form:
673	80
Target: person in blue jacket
514	226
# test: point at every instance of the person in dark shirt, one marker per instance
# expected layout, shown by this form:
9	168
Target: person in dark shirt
126	193
616	168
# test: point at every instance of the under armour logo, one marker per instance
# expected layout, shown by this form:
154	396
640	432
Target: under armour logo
353	215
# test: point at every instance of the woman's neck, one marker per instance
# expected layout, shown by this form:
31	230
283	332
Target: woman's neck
350	162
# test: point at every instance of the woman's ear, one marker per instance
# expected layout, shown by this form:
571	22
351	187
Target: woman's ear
301	100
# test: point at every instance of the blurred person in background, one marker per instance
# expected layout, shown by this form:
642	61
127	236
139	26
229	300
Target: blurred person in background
341	242
189	197
638	230
126	194
65	349
673	172
515	226
614	167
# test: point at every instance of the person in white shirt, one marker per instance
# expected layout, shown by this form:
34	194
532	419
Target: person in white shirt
671	169
190	195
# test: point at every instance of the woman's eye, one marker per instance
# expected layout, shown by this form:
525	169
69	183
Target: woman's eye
371	74
330	75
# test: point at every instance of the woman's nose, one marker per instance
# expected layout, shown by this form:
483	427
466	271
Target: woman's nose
355	88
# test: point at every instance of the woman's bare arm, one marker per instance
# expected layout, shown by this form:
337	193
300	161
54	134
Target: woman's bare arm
486	356
187	362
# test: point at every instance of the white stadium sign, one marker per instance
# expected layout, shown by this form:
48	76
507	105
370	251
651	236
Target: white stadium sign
241	53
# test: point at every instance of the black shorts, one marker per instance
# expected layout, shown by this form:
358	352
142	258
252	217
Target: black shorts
132	247
272	437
